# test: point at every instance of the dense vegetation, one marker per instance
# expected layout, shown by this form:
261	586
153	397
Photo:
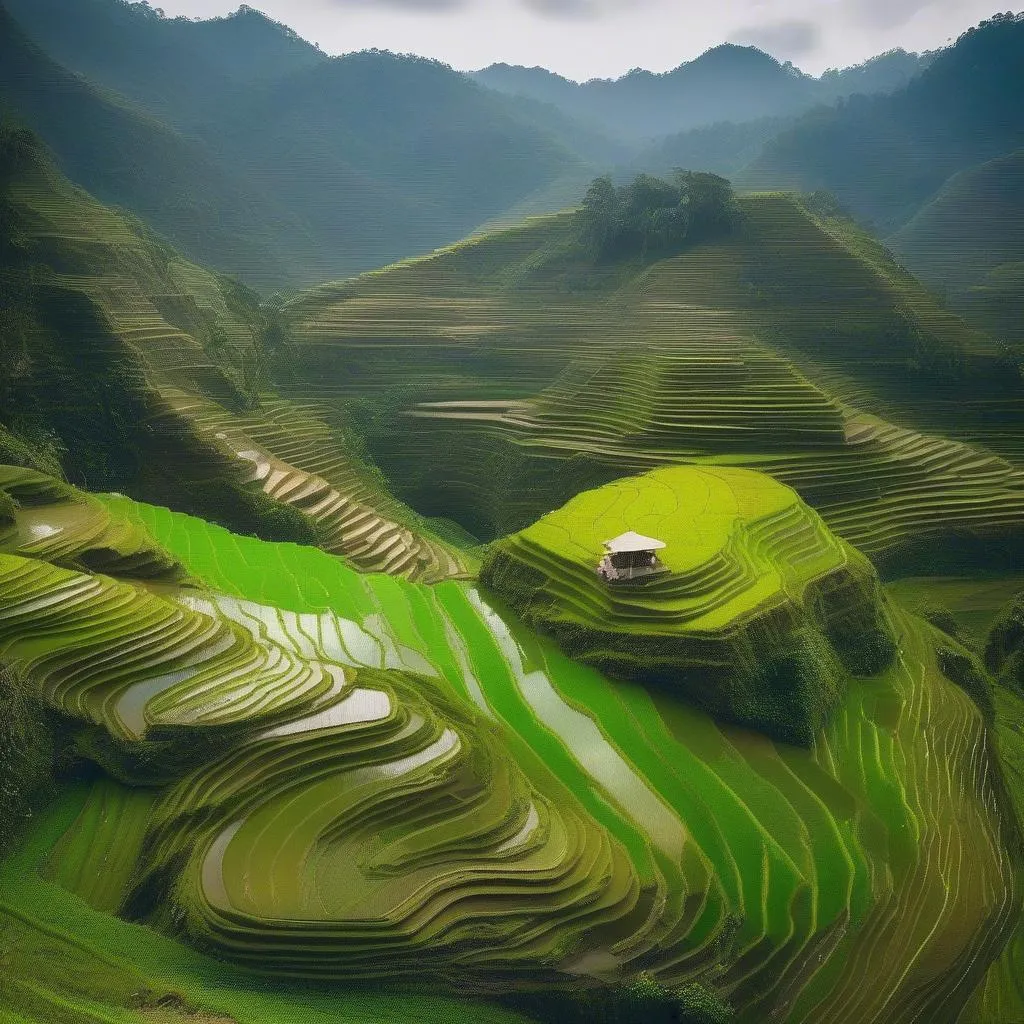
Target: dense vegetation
883	156
255	158
652	218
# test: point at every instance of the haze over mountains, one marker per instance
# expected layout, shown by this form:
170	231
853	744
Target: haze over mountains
256	153
727	83
268	159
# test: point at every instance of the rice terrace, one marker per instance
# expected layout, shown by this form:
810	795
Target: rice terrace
487	535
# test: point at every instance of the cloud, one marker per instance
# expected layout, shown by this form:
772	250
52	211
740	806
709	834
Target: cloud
409	6
588	9
786	39
887	14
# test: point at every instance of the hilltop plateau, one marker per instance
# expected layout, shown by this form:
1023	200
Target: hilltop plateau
759	617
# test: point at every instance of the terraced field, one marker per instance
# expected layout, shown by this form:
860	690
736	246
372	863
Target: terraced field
45	519
541	378
356	768
299	461
188	351
358	775
758	613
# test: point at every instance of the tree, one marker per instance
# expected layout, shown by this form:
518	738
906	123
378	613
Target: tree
711	203
651	218
600	206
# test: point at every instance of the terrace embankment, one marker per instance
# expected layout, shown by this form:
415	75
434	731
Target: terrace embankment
760	617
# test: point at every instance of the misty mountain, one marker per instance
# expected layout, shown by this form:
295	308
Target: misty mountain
179	69
884	156
968	243
726	83
127	157
343	163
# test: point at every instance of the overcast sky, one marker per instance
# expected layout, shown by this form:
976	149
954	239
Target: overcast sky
605	38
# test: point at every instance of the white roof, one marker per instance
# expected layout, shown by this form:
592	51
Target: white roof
633	542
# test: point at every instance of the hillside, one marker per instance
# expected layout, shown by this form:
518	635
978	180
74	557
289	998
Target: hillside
790	347
128	158
384	156
173	67
884	156
173	372
726	83
395	728
314	708
341	164
970	239
757	615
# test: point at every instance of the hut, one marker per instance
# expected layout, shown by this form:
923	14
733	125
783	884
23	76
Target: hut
629	557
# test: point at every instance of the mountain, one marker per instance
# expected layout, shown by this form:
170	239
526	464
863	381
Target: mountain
726	83
725	148
176	68
968	242
884	156
383	155
129	158
337	165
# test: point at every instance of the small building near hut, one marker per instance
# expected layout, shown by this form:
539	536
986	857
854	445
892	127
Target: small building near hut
629	557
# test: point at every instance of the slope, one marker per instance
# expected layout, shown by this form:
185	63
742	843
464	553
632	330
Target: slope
345	163
970	237
171	369
174	67
584	831
126	157
541	373
385	155
884	156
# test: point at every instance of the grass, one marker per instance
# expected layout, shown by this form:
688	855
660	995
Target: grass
67	962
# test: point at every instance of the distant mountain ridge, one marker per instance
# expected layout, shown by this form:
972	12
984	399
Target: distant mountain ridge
254	152
725	83
345	163
883	156
169	66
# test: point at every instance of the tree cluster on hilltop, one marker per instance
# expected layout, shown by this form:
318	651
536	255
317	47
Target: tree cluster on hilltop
651	217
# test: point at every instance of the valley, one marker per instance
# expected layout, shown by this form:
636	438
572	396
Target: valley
458	564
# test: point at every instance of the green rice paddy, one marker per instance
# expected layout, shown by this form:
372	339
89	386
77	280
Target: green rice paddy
354	783
758	616
463	802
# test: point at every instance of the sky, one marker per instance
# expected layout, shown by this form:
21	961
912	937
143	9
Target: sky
584	39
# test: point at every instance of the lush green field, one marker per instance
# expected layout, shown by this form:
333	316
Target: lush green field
720	847
69	963
760	613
